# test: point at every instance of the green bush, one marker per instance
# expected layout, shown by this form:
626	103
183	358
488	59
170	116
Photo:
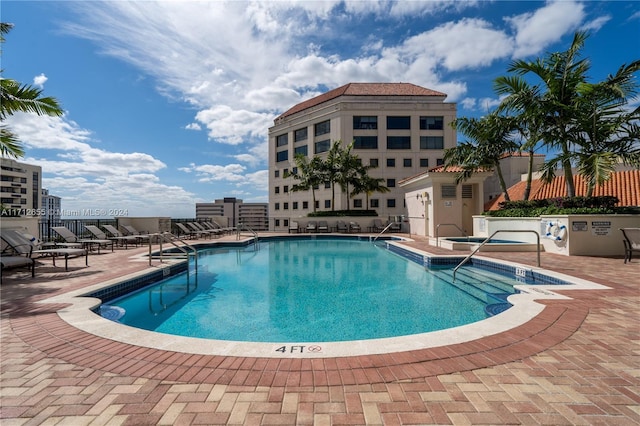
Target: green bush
562	205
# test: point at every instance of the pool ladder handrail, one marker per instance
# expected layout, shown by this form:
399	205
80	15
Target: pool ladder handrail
466	259
448	224
242	226
384	230
162	237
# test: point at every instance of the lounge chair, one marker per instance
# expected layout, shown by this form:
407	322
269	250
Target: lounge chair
87	243
354	227
631	242
294	227
16	261
183	231
200	227
101	236
341	226
312	226
21	245
126	239
323	226
133	231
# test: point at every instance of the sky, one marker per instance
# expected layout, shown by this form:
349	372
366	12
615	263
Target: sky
168	104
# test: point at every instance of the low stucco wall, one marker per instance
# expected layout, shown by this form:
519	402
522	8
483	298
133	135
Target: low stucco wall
582	235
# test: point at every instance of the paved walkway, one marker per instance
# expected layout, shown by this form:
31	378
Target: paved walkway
578	362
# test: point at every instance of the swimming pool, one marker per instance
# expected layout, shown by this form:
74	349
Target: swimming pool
320	290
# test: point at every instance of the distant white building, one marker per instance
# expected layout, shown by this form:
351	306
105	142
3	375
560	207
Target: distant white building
232	211
51	207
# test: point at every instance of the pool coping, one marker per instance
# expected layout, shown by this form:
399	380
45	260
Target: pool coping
530	304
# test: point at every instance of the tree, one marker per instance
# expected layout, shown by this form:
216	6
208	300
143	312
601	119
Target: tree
368	185
310	175
15	97
560	75
491	137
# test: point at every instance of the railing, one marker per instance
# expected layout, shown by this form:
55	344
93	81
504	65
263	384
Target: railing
466	259
242	226
162	237
448	224
384	230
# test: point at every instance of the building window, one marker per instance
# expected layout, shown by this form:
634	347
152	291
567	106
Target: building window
374	203
467	191
322	146
301	150
431	142
317	204
277	222
431	123
276	173
277	189
282	140
424	162
406	162
398	123
373	162
327	185
285	189
294	171
398	142
439	162
365	122
448	191
327	204
391	162
282	156
277	206
365	142
286	206
391	202
357	204
305	205
300	135
391	183
322	128
295	205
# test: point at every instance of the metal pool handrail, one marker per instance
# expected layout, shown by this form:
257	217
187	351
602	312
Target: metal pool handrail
194	252
384	230
448	224
489	238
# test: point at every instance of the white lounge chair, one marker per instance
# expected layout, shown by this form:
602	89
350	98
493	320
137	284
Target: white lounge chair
294	227
312	226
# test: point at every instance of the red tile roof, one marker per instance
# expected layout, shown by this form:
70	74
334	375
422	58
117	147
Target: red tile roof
364	89
624	184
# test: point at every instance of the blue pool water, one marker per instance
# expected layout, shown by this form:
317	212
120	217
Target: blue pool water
296	290
481	240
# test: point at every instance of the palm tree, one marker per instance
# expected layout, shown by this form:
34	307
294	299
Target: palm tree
15	97
368	185
491	137
560	75
606	132
309	173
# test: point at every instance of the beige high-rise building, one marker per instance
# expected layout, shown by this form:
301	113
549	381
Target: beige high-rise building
398	128
21	187
231	211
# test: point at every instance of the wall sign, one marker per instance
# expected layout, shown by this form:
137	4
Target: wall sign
601	227
579	226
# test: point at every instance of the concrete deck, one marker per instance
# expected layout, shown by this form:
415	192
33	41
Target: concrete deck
577	362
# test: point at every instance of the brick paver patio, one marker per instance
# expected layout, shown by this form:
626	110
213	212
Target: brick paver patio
578	362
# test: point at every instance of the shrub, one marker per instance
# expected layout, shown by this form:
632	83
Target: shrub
561	205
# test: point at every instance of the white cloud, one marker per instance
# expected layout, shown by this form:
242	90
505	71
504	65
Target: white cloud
213	173
536	30
40	80
193	126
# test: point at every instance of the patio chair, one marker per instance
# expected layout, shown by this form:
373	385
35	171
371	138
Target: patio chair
294	227
377	225
199	232
142	238
395	226
631	242
216	226
101	236
312	226
341	226
16	261
23	246
126	239
197	226
183	231
354	227
87	243
323	226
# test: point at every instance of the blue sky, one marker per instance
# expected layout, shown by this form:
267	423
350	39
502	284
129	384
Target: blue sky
168	103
